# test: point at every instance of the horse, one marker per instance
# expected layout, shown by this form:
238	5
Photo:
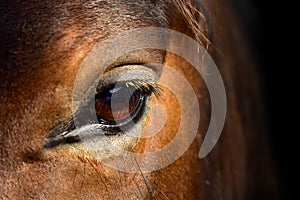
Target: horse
43	46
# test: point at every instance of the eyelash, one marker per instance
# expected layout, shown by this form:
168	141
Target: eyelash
146	88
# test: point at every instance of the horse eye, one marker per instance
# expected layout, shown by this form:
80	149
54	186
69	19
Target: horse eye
118	104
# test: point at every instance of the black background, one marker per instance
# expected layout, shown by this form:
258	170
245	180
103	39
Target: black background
269	30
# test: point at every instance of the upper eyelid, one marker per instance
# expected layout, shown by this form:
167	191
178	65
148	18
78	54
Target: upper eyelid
127	73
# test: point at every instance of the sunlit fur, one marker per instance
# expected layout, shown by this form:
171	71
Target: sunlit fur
42	45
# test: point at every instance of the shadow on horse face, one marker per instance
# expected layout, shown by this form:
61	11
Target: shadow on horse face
43	46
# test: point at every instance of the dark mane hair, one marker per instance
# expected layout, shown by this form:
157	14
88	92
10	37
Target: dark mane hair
197	18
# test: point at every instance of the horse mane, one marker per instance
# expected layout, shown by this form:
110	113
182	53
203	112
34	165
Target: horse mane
197	18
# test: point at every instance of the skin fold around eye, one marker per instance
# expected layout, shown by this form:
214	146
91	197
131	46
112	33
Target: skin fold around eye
98	139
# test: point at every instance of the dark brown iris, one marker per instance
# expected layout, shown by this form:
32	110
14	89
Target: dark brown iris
117	104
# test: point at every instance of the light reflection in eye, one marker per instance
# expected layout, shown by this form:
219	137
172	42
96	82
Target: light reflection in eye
114	90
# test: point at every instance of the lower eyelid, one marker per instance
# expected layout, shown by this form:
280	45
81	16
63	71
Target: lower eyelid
97	140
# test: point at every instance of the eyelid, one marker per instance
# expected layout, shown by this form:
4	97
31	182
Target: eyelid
128	73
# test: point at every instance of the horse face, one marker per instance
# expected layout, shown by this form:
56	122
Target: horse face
44	44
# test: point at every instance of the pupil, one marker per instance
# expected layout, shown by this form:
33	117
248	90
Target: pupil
124	103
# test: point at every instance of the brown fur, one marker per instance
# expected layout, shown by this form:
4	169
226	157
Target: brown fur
42	46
